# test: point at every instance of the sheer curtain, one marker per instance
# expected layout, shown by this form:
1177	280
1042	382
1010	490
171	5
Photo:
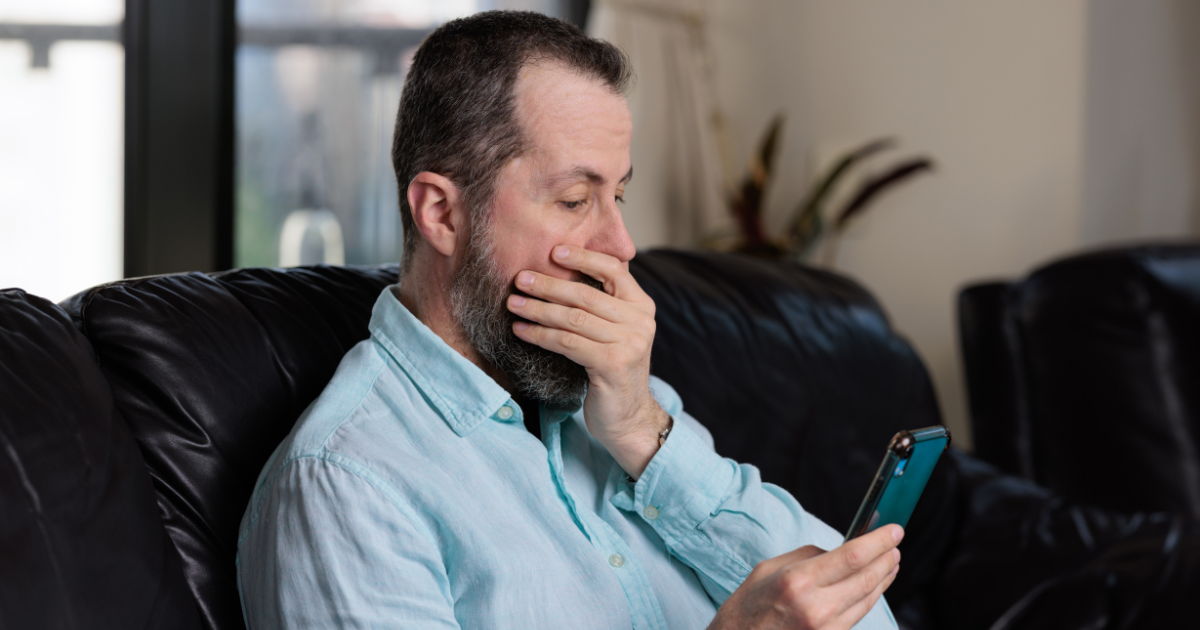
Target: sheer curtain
677	194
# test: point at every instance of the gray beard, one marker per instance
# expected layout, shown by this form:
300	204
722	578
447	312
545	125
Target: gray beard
478	302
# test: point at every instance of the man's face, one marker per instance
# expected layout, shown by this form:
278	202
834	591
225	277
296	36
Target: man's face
562	191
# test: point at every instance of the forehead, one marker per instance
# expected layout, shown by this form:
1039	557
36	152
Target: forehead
560	110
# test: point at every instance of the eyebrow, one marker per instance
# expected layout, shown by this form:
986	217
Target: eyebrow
582	172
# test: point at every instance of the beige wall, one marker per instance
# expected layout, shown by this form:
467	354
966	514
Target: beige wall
1055	126
992	90
1142	133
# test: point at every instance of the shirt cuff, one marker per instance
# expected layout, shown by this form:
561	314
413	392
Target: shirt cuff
682	486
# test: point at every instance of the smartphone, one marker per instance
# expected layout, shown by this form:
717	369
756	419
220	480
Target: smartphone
906	468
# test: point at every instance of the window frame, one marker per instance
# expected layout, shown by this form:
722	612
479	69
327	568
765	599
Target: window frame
180	118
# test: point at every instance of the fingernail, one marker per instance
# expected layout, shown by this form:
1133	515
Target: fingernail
524	279
897	533
896	555
517	301
520	326
561	252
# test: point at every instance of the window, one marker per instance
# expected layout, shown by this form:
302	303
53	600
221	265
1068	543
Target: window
318	85
317	89
311	90
61	144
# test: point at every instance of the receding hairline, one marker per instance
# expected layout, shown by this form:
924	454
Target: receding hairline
548	60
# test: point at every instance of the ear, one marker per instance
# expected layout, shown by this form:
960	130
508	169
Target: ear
437	210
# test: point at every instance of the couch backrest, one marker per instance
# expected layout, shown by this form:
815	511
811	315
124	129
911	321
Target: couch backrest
794	370
786	365
81	542
994	366
1104	353
210	373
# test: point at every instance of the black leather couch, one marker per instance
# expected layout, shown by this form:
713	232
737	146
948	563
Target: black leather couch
1085	377
135	417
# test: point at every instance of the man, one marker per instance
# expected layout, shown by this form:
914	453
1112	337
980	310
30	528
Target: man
497	455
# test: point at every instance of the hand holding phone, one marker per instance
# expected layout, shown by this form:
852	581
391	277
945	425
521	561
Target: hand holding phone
906	468
812	588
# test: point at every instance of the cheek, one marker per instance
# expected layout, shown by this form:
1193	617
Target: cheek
527	243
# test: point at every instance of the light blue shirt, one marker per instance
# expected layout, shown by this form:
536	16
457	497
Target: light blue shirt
410	495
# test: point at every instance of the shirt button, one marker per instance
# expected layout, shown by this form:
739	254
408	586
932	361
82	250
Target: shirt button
616	560
650	512
505	412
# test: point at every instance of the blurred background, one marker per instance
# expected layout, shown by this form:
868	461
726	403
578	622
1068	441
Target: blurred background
140	138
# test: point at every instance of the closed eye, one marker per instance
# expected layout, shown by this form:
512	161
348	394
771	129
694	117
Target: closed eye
571	205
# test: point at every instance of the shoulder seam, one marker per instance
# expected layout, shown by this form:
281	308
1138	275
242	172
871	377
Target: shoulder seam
260	491
357	470
358	405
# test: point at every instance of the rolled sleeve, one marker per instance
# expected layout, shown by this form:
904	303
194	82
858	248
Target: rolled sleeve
682	488
716	515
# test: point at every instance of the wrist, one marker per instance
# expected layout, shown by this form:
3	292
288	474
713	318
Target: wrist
643	444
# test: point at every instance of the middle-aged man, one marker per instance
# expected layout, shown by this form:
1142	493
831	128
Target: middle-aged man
497	454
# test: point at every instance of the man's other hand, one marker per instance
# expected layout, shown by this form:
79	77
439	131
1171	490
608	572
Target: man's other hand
809	589
608	332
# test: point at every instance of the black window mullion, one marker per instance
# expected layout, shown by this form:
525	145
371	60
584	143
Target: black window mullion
179	126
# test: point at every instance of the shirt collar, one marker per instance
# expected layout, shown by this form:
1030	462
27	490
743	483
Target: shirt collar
462	393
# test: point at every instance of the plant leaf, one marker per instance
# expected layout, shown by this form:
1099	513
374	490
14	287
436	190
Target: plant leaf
877	185
768	147
746	202
808	213
805	237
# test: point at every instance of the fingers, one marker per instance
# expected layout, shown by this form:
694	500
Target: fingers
859	591
857	554
860	585
794	589
859	609
771	565
601	332
573	294
607	269
808	587
565	318
575	347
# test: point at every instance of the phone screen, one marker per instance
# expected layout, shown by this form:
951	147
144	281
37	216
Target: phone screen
906	468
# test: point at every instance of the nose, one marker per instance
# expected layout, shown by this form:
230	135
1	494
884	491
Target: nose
610	236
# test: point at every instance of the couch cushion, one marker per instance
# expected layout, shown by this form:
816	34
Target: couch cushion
81	541
210	373
797	371
1028	559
